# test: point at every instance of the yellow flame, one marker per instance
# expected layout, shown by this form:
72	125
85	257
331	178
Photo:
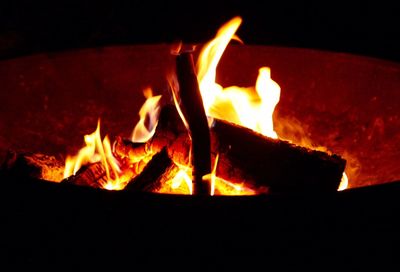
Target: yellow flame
86	155
249	107
148	114
94	151
220	186
212	176
224	187
344	183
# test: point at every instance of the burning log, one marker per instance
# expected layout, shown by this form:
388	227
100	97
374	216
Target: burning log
157	171
247	156
191	105
170	132
283	167
33	165
93	175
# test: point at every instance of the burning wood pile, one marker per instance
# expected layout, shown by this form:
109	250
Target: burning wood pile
204	139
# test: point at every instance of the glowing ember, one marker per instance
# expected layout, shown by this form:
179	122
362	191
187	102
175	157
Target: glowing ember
181	183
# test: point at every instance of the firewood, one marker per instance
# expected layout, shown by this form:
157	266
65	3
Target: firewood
247	156
280	165
157	171
93	175
192	108
170	133
33	165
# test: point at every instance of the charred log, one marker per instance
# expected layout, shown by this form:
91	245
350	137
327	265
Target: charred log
157	171
283	167
170	133
191	105
93	175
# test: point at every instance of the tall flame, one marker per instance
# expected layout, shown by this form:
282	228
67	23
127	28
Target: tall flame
249	107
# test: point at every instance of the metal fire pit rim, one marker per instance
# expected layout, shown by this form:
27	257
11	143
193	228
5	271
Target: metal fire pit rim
167	47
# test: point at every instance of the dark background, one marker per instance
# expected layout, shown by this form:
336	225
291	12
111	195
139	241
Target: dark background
360	27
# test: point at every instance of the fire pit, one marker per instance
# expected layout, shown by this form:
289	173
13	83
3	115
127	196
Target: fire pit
341	103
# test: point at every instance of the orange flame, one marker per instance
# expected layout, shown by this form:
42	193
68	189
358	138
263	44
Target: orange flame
243	106
96	151
148	113
251	107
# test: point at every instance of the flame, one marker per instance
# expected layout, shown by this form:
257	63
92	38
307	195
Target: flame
220	186
224	187
212	176
96	151
344	183
249	107
148	113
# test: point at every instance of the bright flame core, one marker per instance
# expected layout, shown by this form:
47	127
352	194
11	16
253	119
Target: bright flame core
344	183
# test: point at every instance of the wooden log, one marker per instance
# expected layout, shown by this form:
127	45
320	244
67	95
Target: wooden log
157	171
192	108
33	165
258	161
281	166
170	132
92	175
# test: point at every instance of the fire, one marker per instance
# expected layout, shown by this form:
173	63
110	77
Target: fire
344	183
220	186
250	107
96	151
148	114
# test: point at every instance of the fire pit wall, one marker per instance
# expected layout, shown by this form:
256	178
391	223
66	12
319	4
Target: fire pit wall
346	103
